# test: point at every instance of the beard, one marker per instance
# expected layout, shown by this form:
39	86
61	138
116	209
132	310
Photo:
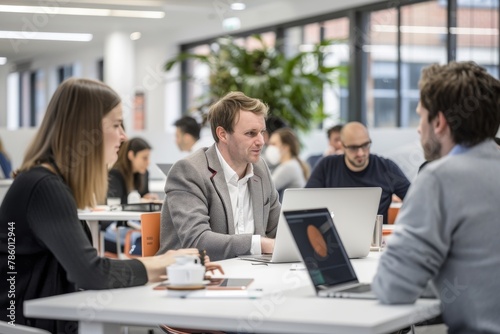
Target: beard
356	164
432	148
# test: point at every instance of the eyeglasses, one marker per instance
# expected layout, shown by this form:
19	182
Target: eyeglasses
355	148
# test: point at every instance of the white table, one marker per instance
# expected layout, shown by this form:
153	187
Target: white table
93	218
288	306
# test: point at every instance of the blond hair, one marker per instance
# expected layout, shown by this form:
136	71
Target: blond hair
224	112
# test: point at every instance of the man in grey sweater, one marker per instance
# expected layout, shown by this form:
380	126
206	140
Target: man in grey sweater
448	229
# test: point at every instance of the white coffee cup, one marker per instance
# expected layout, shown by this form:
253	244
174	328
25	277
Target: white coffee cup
114	203
187	270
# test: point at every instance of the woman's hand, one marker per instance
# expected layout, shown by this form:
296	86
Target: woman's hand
150	197
211	266
156	266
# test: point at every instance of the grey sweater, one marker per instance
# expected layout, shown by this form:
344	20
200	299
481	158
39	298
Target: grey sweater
448	231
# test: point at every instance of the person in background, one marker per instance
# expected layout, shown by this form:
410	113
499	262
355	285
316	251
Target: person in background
334	145
273	123
283	151
187	134
334	140
358	168
65	169
448	229
222	198
5	164
129	173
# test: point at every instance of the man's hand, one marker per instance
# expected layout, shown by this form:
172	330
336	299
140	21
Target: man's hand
267	245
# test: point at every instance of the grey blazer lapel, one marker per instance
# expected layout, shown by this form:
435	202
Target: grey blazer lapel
255	187
219	182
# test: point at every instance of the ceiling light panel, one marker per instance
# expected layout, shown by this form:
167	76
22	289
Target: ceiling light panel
82	11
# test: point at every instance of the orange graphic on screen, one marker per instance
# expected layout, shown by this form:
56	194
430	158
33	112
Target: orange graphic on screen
317	241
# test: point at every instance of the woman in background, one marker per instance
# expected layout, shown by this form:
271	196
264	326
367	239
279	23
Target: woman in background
284	149
65	169
130	171
5	165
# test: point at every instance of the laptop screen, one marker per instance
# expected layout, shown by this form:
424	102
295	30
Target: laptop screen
165	168
320	247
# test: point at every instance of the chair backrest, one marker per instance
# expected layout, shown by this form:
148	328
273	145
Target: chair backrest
150	230
5	328
392	214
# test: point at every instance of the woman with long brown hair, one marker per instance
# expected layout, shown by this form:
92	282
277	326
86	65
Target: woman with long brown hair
65	169
130	171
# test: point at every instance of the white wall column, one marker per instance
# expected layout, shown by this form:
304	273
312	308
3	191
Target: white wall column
4	72
119	70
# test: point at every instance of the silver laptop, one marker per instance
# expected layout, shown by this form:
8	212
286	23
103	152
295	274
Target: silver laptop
354	212
324	255
165	168
285	249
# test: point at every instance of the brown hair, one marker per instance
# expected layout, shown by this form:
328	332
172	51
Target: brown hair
71	138
468	97
224	112
289	139
124	165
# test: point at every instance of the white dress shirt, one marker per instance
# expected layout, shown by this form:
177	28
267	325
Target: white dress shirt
241	202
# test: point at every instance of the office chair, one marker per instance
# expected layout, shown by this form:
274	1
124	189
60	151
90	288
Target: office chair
392	215
150	236
5	328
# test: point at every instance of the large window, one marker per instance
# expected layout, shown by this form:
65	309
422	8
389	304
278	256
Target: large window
382	72
27	94
477	33
390	43
301	38
423	42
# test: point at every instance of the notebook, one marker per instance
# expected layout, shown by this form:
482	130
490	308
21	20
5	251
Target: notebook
324	255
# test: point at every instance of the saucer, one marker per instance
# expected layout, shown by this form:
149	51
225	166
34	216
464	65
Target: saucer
196	286
185	287
165	277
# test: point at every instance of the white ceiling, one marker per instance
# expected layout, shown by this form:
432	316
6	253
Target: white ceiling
180	14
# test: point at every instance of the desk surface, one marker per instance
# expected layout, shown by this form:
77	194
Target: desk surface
109	215
289	305
93	218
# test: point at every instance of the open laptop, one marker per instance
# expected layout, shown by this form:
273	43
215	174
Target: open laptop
285	249
355	210
165	168
324	255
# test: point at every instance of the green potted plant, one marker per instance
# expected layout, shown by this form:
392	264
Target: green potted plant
291	86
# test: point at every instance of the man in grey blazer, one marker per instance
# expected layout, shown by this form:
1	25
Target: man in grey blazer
222	198
448	229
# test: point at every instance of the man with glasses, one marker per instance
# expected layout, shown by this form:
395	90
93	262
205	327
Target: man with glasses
358	168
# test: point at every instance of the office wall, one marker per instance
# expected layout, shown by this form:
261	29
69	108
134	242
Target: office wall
4	71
